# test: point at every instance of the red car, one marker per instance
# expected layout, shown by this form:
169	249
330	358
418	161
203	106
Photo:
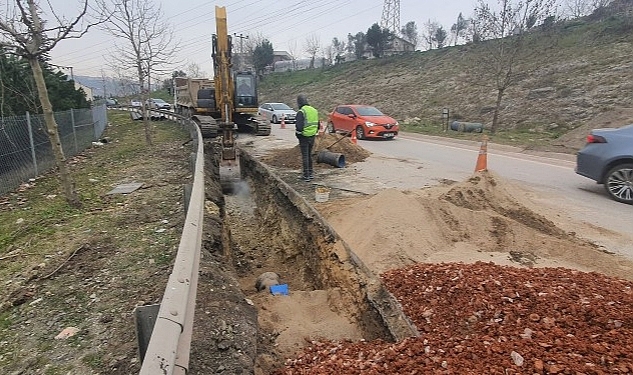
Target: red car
365	120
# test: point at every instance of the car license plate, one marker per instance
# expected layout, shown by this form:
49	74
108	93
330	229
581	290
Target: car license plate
388	135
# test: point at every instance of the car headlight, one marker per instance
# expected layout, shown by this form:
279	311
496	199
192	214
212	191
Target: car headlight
369	123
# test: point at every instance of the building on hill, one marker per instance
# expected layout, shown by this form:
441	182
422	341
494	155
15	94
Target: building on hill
87	90
281	56
300	64
399	45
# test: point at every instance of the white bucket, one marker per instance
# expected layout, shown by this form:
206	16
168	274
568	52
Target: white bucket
321	194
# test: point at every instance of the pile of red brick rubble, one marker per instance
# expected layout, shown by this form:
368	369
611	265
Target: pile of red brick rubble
488	319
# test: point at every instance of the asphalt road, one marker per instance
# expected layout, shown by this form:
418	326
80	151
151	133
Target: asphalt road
414	161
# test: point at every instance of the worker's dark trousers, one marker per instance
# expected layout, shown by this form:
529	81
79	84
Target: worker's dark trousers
306	144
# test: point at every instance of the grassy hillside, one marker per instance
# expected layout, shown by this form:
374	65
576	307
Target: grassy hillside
574	77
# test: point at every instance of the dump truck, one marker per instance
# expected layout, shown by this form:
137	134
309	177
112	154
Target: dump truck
195	98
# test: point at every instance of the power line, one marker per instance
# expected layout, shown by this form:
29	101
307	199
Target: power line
299	13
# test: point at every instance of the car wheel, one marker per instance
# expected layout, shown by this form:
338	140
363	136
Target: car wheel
274	119
360	133
330	127
619	183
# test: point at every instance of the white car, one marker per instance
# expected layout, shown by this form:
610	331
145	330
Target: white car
275	111
136	103
158	103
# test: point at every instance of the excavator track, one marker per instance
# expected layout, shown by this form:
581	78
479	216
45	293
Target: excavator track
208	126
261	126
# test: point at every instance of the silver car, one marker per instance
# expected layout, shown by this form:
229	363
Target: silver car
275	111
607	158
158	103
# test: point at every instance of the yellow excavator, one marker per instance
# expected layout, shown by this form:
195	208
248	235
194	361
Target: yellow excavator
235	101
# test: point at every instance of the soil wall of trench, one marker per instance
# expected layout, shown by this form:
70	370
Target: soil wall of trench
227	336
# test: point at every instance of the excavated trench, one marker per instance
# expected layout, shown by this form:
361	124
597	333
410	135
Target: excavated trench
266	226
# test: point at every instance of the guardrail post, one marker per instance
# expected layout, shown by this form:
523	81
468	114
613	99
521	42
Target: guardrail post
28	124
145	318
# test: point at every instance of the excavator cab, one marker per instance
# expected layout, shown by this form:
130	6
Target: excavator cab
246	90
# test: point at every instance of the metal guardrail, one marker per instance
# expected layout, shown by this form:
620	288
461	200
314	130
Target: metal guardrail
170	341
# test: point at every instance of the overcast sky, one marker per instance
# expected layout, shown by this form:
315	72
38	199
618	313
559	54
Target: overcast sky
286	23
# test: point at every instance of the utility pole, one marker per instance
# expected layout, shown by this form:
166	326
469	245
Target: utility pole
173	90
103	82
242	37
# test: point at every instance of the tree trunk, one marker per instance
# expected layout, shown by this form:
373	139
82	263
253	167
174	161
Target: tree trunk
495	117
53	135
147	123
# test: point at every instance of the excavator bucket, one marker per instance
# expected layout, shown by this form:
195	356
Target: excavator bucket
230	172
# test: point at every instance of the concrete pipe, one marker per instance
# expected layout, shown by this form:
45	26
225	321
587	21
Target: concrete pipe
467	127
331	158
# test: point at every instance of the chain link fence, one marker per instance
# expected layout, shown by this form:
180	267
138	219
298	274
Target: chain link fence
25	150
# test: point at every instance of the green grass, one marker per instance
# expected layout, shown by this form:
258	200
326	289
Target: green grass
43	231
5	320
57	370
39	212
523	136
93	360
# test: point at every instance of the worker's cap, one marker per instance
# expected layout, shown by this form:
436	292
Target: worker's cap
301	100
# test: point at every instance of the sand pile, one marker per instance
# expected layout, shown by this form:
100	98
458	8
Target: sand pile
480	219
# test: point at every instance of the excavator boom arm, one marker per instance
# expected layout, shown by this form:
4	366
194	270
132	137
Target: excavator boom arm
222	63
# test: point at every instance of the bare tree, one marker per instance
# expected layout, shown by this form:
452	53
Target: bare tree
125	82
147	44
312	46
429	34
439	38
410	32
504	34
581	8
338	47
293	50
577	8
328	54
253	41
28	35
249	43
193	70
596	4
458	28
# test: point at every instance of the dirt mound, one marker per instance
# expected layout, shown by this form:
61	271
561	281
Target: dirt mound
481	219
291	158
489	319
482	192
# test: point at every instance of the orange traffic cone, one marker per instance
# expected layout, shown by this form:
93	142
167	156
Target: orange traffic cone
482	159
283	122
354	140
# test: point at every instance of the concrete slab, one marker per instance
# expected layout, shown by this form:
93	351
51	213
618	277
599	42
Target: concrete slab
125	188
